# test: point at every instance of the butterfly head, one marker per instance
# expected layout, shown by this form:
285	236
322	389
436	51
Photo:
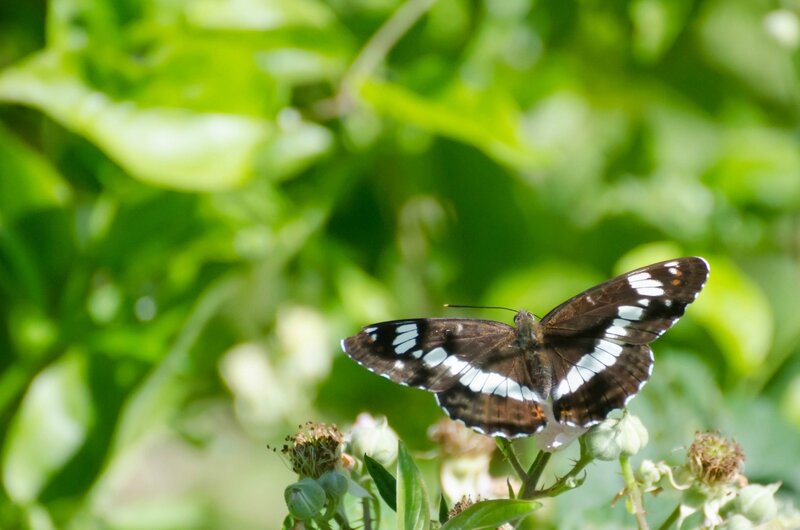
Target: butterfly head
526	324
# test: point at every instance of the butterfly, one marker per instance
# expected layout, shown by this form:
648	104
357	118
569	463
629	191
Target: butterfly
559	375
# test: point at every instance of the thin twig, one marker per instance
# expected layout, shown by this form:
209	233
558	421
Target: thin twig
634	493
374	51
563	483
367	518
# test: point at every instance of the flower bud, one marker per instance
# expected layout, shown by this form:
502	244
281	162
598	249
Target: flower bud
374	437
757	502
615	437
649	474
305	499
633	435
334	483
602	440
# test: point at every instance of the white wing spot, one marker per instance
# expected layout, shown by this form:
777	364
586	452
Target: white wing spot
651	291
416	354
638	277
401	349
371	329
618	327
453	363
609	347
671	264
409	335
667	303
644	302
399	365
373	337
646	283
435	357
468	377
406	327
479	381
630	312
673	270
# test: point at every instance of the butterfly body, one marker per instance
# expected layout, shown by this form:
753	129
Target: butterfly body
563	373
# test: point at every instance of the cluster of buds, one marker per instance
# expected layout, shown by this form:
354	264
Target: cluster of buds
615	437
315	454
713	484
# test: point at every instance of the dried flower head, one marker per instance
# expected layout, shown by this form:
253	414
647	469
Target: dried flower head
715	460
465	502
457	440
314	449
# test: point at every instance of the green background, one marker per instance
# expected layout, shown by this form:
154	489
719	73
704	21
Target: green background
199	198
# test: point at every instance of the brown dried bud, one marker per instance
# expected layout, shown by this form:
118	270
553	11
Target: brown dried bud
460	506
314	449
715	460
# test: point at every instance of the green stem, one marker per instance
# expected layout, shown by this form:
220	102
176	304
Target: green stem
669	521
564	483
378	47
634	493
528	489
507	449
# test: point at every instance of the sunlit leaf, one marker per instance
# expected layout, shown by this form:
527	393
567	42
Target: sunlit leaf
737	315
413	510
49	427
170	147
491	514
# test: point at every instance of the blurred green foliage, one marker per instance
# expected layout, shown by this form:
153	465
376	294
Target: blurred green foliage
198	197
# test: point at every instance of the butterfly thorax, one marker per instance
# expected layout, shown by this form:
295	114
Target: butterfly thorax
527	329
530	339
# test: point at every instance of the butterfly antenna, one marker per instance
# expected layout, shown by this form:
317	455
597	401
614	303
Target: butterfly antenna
480	307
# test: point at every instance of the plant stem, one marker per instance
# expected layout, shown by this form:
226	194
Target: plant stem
367	516
507	449
563	483
634	493
378	46
669	521
528	489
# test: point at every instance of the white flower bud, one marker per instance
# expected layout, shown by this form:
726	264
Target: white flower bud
374	437
757	502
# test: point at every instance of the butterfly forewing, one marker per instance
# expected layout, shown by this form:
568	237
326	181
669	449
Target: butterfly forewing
599	338
429	353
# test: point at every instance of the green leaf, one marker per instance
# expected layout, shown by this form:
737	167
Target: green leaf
51	425
444	511
737	314
413	512
491	514
386	483
172	147
288	523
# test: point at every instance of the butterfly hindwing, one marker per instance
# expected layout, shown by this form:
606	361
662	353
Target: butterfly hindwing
492	414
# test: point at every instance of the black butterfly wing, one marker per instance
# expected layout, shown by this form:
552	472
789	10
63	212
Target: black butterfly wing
476	368
598	341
